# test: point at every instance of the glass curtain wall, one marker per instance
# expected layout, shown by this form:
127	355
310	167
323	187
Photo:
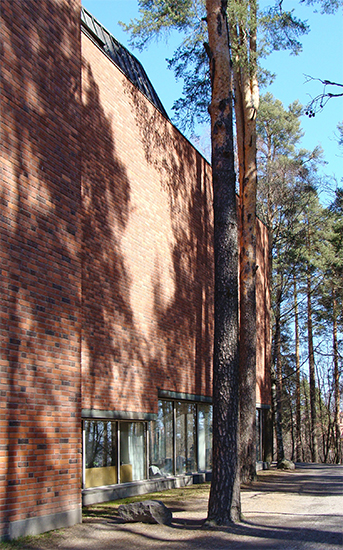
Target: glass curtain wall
180	442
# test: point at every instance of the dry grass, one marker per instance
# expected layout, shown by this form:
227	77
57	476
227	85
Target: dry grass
173	498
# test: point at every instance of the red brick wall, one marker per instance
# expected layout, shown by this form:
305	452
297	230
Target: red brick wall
40	465
129	249
147	249
147	252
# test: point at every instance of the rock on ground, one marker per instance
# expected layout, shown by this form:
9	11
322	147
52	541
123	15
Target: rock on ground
148	511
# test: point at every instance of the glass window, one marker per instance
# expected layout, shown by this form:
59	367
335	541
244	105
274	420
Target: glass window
258	434
101	453
161	441
132	451
205	436
185	434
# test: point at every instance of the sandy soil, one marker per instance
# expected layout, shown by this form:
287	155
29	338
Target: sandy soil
301	509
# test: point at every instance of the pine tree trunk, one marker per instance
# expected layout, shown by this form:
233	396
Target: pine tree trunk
307	452
224	503
314	439
278	362
297	377
246	105
338	444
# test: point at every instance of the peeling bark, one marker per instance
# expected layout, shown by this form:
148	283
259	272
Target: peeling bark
246	105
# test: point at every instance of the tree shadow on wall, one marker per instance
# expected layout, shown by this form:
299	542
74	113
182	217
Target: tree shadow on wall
185	326
40	200
112	345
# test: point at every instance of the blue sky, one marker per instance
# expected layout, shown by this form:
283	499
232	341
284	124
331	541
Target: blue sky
322	57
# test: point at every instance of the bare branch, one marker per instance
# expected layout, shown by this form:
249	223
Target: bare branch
317	104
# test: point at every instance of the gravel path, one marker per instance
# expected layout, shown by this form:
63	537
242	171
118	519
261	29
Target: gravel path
301	509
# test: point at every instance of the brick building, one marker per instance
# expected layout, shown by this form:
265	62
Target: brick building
106	277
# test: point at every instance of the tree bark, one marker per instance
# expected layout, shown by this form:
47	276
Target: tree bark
314	439
338	444
277	360
224	503
297	376
246	105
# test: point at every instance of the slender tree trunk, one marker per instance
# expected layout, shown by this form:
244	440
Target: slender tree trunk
246	105
338	444
325	435
292	426
297	377
314	438
269	415
278	363
307	453
224	502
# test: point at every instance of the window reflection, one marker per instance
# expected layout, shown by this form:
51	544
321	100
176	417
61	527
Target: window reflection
185	431
101	453
132	451
180	442
161	441
205	436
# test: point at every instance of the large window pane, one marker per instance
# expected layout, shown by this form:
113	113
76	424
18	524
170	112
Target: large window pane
185	433
101	453
161	441
205	436
258	434
132	451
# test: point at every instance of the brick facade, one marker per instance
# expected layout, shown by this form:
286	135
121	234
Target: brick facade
106	259
40	387
147	248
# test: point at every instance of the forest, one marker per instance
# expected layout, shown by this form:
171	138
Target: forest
306	265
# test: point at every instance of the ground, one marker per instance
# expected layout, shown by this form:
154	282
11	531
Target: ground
300	509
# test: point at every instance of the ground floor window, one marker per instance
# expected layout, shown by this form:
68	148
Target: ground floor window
132	451
258	435
108	444
178	442
205	436
180	439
